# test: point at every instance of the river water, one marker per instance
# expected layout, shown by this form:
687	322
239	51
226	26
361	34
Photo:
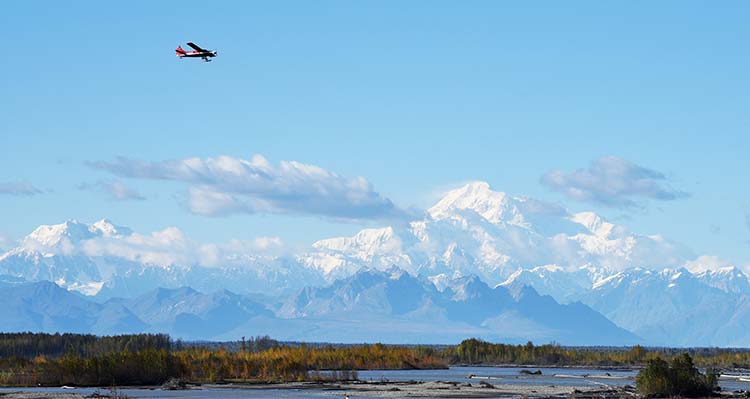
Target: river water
495	375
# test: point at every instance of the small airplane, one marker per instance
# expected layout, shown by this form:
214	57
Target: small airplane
199	52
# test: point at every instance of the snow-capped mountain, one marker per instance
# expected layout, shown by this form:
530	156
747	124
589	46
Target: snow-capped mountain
391	299
471	231
472	235
369	306
562	284
728	279
476	231
51	252
109	260
671	306
64	237
665	307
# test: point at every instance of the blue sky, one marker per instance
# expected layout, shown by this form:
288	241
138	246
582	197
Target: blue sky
414	97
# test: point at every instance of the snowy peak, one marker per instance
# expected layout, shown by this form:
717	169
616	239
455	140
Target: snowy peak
367	240
343	256
71	232
475	230
499	208
540	273
562	284
642	277
624	277
469	287
494	206
728	279
52	235
105	228
594	223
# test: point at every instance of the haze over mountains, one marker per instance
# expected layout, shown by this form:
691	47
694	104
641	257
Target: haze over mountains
479	263
387	306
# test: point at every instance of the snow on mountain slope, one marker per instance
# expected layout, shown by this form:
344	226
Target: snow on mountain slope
474	230
396	298
109	260
370	306
728	279
507	242
380	248
495	207
71	272
665	307
565	285
595	224
63	237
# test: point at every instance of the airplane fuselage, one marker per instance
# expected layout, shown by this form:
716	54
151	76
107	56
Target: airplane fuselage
205	55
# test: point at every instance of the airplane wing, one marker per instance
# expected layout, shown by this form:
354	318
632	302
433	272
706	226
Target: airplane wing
196	48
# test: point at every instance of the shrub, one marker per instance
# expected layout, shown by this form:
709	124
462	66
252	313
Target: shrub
680	378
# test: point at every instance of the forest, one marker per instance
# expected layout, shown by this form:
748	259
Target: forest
478	352
144	359
28	359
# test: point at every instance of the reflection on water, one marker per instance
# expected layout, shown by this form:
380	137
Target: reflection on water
495	375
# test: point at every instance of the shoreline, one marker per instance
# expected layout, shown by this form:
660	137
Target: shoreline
577	366
477	386
437	389
569	366
390	389
394	389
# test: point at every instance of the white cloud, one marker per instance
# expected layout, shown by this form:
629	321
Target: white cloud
163	248
171	246
614	182
20	188
706	262
115	190
226	185
237	251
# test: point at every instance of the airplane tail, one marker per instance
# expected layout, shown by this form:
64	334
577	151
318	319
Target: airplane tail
180	51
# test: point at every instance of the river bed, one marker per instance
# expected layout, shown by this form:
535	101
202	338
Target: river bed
505	382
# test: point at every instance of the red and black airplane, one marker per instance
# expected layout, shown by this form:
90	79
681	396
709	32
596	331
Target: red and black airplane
198	53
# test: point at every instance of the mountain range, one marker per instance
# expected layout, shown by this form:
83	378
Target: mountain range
666	307
387	306
479	263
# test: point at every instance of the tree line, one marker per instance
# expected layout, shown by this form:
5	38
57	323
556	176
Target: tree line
145	359
54	345
51	360
478	352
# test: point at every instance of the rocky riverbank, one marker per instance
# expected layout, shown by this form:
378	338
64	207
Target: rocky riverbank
398	389
449	389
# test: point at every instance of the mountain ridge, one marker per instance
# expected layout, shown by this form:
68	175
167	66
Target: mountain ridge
369	306
506	241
